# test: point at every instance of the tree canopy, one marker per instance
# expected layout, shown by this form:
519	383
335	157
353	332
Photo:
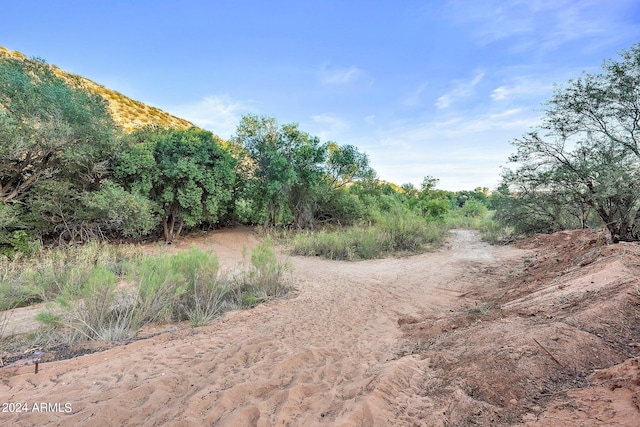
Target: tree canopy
584	159
185	172
69	174
48	129
294	175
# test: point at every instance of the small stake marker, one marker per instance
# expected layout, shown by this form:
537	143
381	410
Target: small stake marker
36	359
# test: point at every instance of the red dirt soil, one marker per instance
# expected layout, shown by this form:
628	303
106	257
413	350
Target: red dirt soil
545	333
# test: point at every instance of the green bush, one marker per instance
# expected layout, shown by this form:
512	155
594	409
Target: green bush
203	295
474	209
158	286
435	209
18	242
264	280
93	309
495	232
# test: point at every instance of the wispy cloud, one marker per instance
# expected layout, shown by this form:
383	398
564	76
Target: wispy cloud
461	89
219	114
339	75
463	151
329	126
519	87
540	25
415	98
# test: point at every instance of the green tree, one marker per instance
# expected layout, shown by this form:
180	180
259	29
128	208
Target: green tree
346	164
271	173
286	180
305	155
186	173
433	203
55	142
49	129
585	156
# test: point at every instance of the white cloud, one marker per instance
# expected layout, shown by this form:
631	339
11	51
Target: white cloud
539	25
329	126
219	114
461	89
463	151
500	93
521	87
339	76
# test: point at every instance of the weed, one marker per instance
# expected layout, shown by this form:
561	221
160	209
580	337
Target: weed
481	309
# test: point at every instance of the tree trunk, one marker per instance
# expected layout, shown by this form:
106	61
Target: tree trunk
622	230
168	224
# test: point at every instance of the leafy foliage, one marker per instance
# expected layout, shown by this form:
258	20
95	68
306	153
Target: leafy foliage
585	157
48	129
294	176
185	173
69	175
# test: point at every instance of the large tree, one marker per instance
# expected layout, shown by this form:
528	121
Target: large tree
185	172
586	154
346	164
287	169
49	129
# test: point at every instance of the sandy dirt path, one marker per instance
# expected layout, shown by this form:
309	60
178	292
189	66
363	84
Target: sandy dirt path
331	355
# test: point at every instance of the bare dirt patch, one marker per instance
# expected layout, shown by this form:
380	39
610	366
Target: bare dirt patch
472	334
542	344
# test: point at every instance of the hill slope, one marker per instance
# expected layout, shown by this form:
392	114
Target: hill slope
126	112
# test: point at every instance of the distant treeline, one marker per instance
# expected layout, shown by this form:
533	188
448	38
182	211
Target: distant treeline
68	174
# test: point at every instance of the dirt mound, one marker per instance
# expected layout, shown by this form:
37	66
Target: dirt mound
540	345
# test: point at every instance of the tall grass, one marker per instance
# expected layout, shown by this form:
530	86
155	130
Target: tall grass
495	233
94	310
394	232
266	275
25	281
185	286
398	231
109	292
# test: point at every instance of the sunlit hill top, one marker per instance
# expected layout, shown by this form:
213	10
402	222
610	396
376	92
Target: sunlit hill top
126	112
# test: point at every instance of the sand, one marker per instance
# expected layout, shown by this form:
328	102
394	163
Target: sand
390	342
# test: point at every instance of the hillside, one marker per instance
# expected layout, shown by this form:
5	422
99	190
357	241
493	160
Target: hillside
127	113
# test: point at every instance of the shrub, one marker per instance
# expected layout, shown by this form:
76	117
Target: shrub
396	231
93	309
92	304
473	208
435	209
202	297
18	242
494	232
266	274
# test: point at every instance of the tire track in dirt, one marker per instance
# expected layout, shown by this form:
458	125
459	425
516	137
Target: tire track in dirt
328	356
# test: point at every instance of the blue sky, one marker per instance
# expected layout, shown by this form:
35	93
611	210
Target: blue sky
434	88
